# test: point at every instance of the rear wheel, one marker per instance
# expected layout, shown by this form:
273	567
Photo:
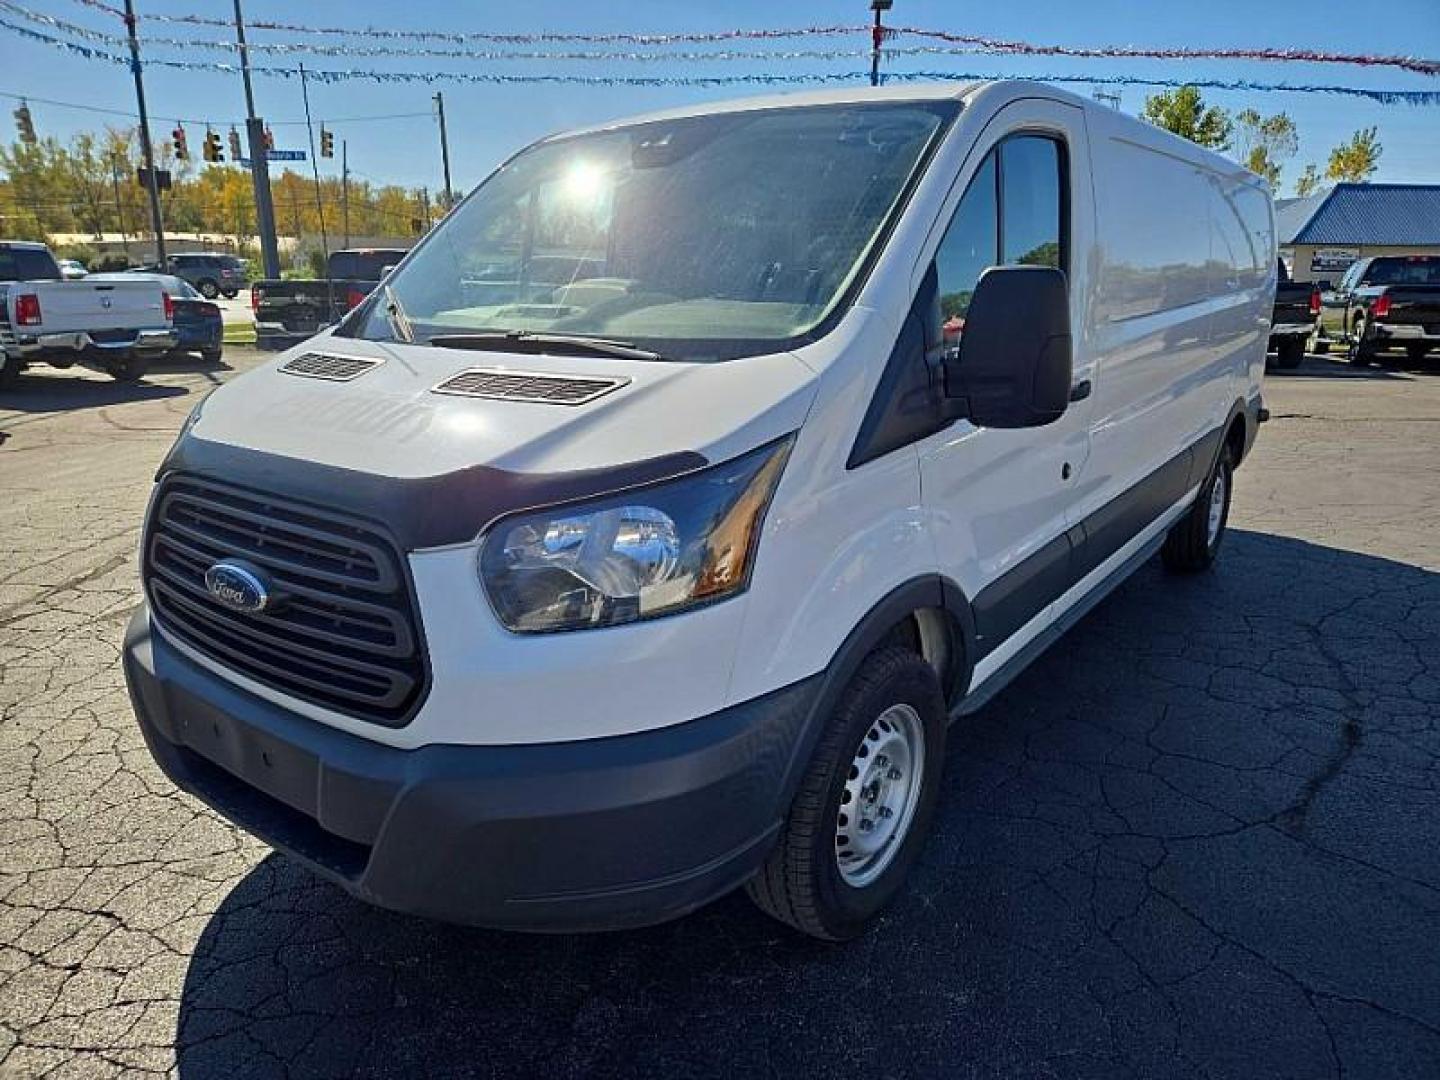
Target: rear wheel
130	369
1361	350
230	294
208	288
9	371
210	356
864	806
1290	353
1195	539
1417	353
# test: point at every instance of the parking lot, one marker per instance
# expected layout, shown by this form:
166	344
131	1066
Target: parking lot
1199	837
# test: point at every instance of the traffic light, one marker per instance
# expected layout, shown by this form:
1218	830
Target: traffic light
327	143
269	140
235	154
182	145
25	124
212	147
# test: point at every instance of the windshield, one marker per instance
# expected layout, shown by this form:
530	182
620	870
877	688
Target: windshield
701	238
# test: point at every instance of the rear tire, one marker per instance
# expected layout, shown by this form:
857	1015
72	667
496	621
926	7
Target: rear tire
1417	353
208	289
1290	353
1194	540
10	367
230	294
860	818
210	356
131	369
1361	351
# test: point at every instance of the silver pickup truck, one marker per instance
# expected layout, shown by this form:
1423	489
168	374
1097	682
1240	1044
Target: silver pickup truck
116	326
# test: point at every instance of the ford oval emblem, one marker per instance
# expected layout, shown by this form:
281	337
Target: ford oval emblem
238	586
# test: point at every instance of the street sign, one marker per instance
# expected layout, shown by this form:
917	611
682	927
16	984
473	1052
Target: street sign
285	155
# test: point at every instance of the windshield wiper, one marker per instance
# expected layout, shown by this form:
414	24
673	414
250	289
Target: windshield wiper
532	343
395	312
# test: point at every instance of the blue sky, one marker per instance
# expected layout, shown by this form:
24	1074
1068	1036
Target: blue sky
488	122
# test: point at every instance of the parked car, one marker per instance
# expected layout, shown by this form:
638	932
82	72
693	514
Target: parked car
291	310
71	269
1384	302
212	275
1293	318
117	326
199	324
579	611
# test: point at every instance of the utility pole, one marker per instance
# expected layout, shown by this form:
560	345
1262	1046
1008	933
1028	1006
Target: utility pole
444	150
345	189
877	37
157	223
425	202
259	164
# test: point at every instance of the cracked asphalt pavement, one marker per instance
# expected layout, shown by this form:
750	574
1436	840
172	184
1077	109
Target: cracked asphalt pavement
1200	837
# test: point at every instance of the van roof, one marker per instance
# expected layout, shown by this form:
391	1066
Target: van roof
847	95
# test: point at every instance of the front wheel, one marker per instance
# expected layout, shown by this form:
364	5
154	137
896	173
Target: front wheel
1194	540
864	806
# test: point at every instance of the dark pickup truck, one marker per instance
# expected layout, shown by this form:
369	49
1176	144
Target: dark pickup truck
1297	307
1385	302
287	312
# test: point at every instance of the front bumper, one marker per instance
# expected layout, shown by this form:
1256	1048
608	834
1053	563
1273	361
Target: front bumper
77	341
607	833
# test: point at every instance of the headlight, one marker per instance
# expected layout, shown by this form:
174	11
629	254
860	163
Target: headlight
635	555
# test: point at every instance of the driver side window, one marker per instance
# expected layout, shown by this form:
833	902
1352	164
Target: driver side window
1013	212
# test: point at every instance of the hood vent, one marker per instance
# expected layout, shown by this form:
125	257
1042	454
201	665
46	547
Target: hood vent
335	368
528	386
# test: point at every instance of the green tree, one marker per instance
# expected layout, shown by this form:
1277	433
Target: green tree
1265	143
1356	160
1184	112
1309	181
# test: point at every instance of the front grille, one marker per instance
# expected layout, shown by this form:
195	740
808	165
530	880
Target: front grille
527	386
334	368
341	632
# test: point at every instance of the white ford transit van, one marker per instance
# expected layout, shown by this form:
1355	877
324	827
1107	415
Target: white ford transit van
640	536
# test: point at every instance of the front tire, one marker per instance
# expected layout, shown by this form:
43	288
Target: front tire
1194	540
864	806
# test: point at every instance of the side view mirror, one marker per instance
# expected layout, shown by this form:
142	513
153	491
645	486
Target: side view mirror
1013	366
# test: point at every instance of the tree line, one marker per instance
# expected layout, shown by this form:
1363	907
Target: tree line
89	186
1263	144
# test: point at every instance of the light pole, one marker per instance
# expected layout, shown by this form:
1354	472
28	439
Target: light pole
877	37
152	184
259	165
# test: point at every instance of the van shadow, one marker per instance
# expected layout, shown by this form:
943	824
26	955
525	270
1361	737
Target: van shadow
1387	367
1084	858
50	390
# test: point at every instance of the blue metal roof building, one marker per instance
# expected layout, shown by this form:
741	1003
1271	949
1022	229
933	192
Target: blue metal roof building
1351	221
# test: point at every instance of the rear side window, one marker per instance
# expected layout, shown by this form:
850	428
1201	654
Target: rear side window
1012	212
27	264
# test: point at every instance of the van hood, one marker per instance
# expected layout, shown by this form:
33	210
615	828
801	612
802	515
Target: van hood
437	466
391	421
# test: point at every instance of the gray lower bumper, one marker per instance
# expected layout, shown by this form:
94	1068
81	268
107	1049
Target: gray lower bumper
606	833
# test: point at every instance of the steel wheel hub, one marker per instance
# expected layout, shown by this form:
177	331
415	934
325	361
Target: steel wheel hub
881	792
1217	510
